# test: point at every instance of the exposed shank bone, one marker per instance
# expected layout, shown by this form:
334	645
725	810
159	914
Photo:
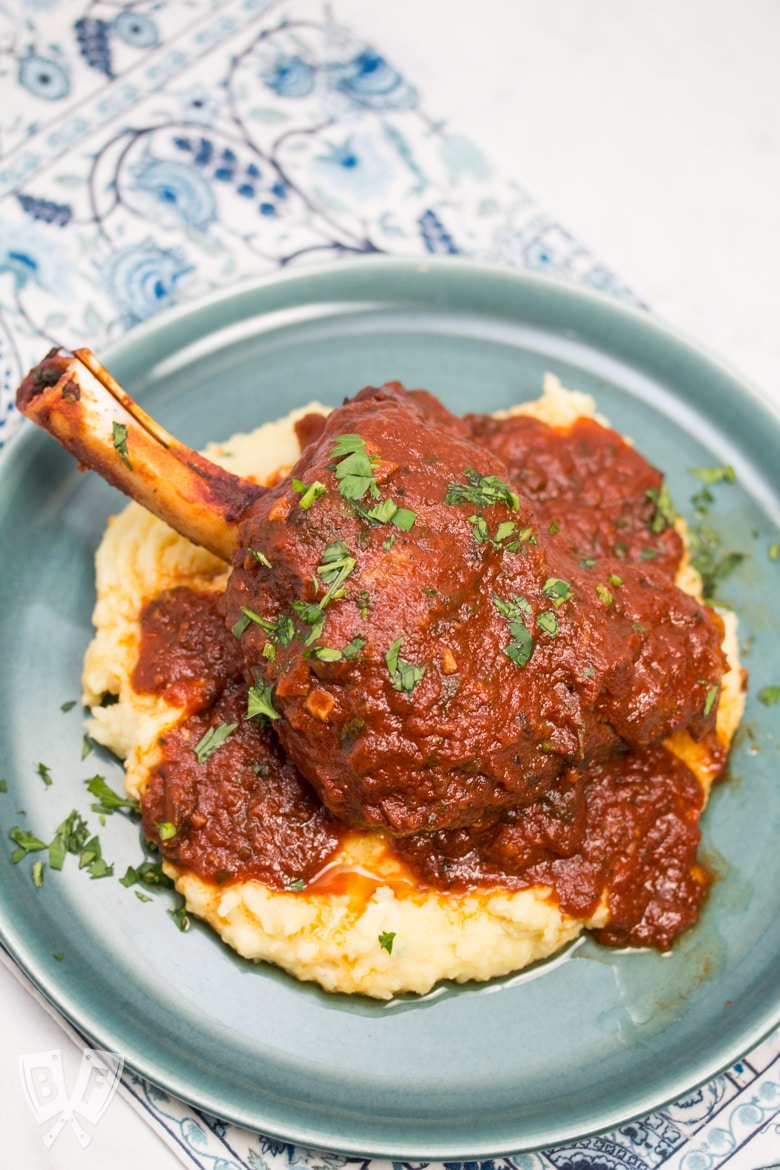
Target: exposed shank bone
81	405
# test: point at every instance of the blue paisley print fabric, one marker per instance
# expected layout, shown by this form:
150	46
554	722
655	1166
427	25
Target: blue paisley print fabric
155	151
733	1123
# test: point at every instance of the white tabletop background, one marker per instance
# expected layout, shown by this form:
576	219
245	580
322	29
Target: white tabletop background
652	132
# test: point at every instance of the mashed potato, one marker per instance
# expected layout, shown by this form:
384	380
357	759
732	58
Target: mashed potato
330	932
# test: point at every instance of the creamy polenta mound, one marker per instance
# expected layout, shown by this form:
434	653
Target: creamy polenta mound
331	937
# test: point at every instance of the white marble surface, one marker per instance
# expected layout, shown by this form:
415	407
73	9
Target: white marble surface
652	131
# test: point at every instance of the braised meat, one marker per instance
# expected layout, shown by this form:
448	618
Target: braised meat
430	646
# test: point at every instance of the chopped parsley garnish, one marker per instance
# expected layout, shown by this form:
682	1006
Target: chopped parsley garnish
213	738
769	696
604	594
259	702
261	557
354	468
37	874
148	873
45	774
403	518
507	535
332	654
506	529
119	438
709	701
87	747
774	551
386	939
721	569
328	654
70	837
282	631
482	490
181	918
404	676
353	648
312	614
587	562
363	603
238	628
251	616
309	495
382	512
557	590
298	885
665	512
615	580
336	566
71	703
520	649
166	830
25	842
701	500
548	622
710	475
3	784
110	801
479	527
91	858
704	548
512	610
309	612
388	512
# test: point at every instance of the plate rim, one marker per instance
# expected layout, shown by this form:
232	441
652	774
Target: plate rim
320	274
324	271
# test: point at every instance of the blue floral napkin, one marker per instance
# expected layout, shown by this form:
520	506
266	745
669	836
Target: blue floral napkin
154	151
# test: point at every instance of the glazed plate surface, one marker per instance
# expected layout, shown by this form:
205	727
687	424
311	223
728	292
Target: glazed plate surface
575	1046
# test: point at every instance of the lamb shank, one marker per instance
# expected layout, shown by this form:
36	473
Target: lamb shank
429	647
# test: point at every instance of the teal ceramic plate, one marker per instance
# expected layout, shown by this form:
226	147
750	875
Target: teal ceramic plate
576	1046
